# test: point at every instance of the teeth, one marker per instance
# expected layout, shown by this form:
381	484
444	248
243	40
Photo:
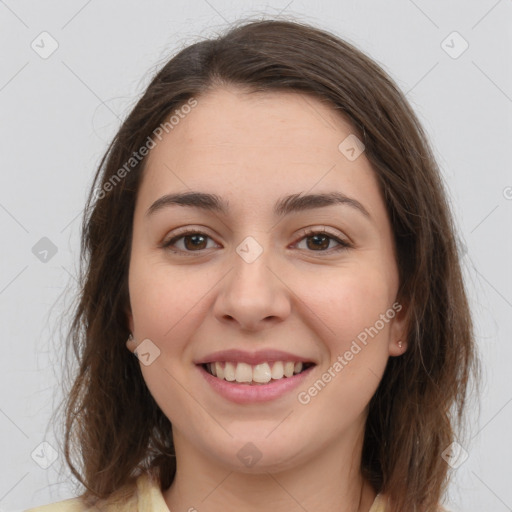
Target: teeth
277	370
219	371
261	373
243	372
288	369
229	372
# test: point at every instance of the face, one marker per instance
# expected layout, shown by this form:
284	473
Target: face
315	278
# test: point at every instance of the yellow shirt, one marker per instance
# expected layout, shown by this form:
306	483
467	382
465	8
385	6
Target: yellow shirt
148	498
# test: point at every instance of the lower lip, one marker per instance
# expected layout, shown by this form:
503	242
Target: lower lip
246	393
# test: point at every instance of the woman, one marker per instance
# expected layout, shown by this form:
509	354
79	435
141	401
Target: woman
268	234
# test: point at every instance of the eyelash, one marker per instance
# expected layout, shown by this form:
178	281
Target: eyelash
343	244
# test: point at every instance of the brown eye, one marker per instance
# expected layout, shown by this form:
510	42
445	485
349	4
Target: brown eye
193	241
319	241
196	241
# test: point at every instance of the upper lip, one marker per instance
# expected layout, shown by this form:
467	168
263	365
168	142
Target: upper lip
252	358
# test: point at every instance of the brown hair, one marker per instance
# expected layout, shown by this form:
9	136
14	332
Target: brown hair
114	426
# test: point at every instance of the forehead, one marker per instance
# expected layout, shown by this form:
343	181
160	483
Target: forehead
295	123
246	142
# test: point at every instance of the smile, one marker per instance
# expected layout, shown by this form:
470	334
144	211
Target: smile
258	374
247	390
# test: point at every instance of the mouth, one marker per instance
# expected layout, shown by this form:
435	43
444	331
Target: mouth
255	375
265	382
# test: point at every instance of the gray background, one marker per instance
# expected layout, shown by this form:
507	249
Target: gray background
59	112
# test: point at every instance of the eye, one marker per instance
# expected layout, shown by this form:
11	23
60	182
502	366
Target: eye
196	241
321	239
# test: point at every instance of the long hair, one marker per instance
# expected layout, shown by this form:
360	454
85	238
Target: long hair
114	430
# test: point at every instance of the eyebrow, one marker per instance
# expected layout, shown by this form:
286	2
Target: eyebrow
284	206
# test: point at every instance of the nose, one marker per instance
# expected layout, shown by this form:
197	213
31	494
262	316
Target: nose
253	295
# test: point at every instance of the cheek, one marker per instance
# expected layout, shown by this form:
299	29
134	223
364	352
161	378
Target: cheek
163	296
165	303
350	301
350	308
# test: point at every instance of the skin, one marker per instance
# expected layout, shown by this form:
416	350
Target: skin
252	149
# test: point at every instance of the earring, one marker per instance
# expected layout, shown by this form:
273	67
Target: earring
130	338
400	344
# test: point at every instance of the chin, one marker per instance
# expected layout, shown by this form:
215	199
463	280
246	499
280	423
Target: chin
259	454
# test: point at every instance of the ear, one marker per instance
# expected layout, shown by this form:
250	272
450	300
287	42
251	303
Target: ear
398	330
131	344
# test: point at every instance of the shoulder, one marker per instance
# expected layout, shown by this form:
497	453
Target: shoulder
71	505
381	500
146	495
379	505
